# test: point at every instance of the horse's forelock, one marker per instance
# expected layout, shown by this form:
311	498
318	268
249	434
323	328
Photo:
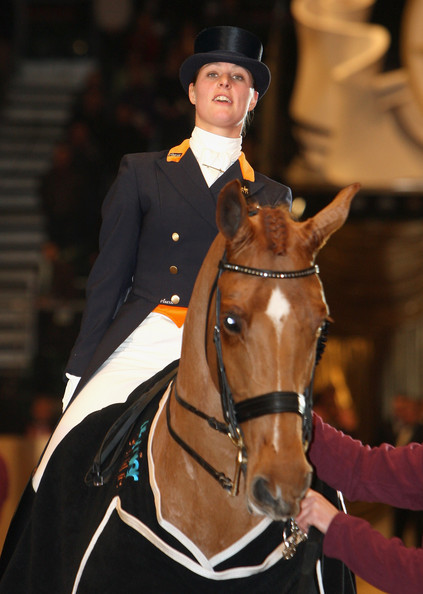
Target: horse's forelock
276	227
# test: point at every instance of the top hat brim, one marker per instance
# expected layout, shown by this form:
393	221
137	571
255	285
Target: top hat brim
259	71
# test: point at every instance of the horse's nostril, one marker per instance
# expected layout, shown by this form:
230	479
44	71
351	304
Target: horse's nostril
270	503
261	492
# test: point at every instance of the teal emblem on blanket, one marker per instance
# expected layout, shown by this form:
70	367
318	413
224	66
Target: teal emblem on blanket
130	467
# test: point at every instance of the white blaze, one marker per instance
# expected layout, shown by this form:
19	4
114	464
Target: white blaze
278	310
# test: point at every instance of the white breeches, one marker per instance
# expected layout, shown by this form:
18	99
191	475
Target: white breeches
153	345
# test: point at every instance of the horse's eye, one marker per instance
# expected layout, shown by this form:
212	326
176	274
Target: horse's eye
232	324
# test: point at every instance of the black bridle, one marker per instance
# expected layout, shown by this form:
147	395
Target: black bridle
251	408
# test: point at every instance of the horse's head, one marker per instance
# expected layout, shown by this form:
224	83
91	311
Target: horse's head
269	328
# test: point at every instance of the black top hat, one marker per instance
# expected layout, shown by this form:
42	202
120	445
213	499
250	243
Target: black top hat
227	44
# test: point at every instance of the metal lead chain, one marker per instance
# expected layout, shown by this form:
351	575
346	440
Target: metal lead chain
292	537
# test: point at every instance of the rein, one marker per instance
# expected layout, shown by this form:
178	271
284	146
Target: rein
251	408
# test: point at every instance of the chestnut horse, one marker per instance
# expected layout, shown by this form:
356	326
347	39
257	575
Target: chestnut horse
201	496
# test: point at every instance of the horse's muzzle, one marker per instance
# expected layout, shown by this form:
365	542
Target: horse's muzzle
274	503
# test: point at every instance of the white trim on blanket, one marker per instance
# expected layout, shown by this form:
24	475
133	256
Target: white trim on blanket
175	555
182	559
93	542
200	565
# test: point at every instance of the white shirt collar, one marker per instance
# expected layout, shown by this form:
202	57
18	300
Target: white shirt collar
214	153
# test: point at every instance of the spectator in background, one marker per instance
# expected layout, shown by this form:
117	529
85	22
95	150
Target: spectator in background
63	192
145	40
87	156
406	427
129	134
90	165
7	39
4	483
173	113
404	423
327	406
112	19
45	412
139	94
66	190
92	109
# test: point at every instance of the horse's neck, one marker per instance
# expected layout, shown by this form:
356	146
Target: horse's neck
194	377
191	499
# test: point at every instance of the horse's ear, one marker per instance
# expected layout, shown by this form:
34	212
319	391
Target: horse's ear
231	209
332	217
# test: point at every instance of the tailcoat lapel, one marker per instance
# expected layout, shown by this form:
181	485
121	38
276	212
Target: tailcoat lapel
249	184
185	175
186	178
184	172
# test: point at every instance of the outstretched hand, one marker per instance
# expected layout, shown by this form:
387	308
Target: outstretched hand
316	511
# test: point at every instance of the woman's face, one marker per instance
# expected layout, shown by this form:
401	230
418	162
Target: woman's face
223	94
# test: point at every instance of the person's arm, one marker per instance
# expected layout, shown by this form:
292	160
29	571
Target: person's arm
385	563
385	474
111	274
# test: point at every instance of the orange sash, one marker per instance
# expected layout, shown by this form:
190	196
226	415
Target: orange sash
176	314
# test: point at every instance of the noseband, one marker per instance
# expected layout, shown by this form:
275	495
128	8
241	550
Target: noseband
251	408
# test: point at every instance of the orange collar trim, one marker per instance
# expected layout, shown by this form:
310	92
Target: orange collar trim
177	152
246	169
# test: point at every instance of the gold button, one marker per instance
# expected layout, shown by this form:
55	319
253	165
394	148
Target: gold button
175	236
173	270
175	299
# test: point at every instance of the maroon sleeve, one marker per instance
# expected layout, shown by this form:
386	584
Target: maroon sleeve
384	474
384	563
